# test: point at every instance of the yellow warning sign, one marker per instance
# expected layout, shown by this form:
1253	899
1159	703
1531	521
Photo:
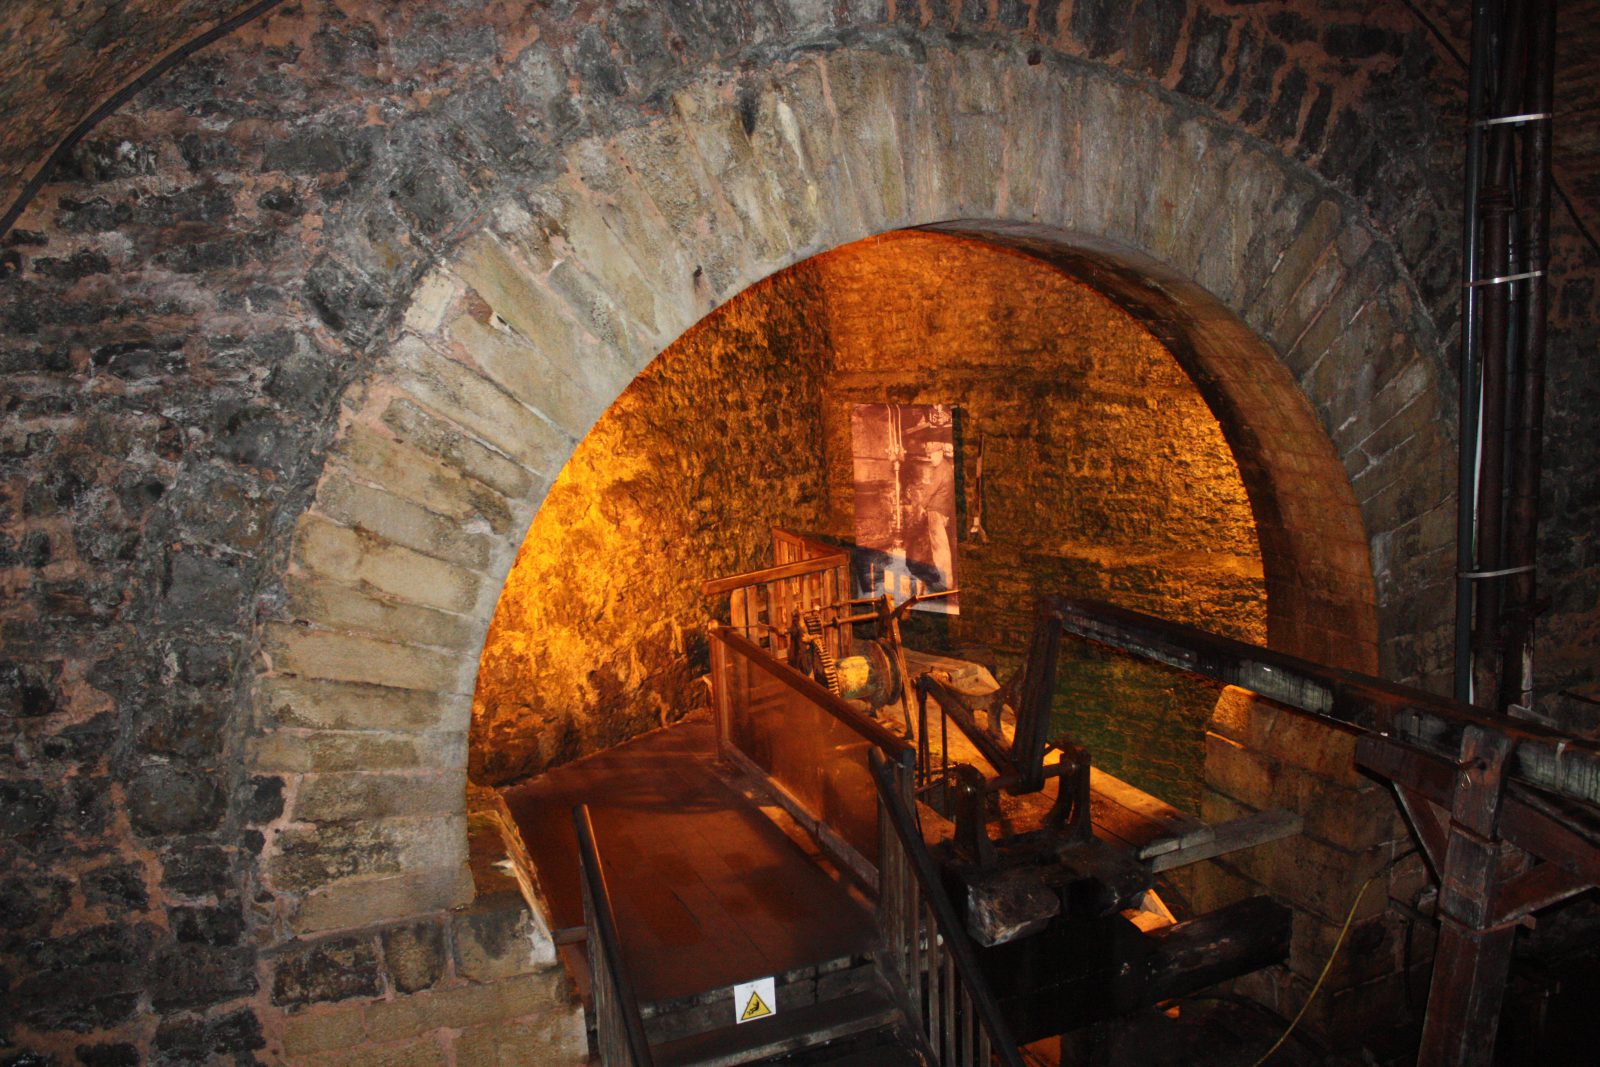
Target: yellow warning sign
755	1009
755	1000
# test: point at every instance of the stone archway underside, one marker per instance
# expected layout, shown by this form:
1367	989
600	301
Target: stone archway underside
1292	317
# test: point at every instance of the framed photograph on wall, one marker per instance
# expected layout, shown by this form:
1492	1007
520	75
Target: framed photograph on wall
904	472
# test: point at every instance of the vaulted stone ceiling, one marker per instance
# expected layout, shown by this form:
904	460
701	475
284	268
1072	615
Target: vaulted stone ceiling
67	56
63	57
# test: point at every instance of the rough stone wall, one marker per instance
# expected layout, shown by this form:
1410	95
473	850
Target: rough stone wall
600	632
1567	639
1106	474
237	246
1108	477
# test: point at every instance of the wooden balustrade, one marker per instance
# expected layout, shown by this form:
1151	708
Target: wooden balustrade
926	953
807	575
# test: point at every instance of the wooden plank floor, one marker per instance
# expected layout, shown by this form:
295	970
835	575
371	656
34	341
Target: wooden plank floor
708	891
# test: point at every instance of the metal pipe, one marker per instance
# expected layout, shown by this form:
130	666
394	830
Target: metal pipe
1466	482
1523	532
1496	204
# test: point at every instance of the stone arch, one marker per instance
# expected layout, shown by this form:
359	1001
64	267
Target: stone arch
1289	312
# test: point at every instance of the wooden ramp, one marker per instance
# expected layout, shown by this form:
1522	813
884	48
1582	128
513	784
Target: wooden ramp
708	890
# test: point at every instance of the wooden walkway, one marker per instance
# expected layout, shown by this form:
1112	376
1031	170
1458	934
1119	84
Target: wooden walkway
708	890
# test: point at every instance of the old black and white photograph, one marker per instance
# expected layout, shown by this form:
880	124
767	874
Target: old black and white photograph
904	460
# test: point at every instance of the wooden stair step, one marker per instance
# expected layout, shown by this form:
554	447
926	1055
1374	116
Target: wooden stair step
788	1031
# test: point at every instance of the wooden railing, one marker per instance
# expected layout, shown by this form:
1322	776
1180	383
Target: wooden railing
925	948
807	575
619	1029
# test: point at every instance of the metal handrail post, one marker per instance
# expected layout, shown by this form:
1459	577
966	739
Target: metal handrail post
605	949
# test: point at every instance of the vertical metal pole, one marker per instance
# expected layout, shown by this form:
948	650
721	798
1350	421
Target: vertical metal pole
1466	480
1494	303
1523	527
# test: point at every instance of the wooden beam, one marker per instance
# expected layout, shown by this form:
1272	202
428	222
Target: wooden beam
1469	978
717	586
1540	887
1230	941
1429	822
1527	822
1219	839
1535	824
1474	954
1551	761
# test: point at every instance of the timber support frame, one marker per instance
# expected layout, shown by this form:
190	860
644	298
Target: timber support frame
1507	813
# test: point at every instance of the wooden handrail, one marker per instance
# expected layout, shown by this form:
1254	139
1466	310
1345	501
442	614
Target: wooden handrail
818	557
616	1006
798	569
976	992
811	547
890	744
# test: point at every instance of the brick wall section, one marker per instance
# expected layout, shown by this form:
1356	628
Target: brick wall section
195	299
1260	756
477	985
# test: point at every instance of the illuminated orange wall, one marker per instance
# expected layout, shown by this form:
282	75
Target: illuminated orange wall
1106	476
599	633
1105	473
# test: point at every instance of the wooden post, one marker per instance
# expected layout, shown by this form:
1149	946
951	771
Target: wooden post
1474	954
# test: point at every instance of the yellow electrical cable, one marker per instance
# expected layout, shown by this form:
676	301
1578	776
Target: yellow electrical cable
1326	967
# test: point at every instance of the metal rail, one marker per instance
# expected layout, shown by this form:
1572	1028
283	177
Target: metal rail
1471	368
619	1028
931	960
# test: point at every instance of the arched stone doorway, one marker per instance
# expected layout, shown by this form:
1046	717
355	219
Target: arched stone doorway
1104	473
1282	305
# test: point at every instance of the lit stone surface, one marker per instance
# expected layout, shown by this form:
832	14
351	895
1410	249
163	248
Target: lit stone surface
211	288
337	550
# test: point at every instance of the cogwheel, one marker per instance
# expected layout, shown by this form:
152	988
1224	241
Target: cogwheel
825	664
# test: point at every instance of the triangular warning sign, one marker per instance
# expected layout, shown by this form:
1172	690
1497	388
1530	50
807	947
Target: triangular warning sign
755	1000
755	1009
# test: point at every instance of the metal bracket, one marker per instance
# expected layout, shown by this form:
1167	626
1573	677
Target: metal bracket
1525	569
1505	278
1516	120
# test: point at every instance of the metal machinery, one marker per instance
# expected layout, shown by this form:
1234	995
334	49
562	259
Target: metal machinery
1055	893
1061	894
1054	889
